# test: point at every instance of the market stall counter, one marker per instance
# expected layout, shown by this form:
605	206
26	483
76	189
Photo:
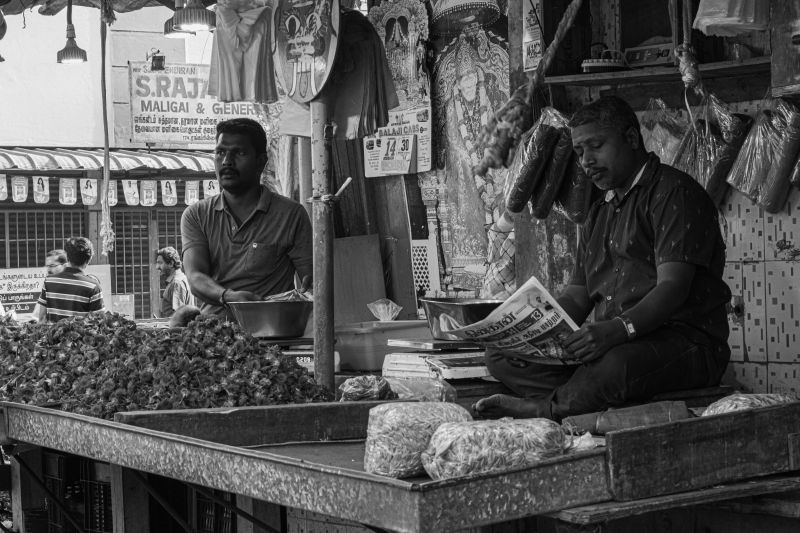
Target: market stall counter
310	457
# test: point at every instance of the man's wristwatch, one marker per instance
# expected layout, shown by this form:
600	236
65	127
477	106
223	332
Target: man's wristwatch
222	297
629	328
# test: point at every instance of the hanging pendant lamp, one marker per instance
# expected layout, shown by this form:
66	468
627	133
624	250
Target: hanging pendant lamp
194	17
171	33
71	53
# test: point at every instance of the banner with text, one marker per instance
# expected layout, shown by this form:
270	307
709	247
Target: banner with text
172	106
20	287
389	158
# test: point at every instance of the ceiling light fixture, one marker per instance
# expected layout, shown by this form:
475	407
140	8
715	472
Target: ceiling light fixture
71	53
193	17
171	33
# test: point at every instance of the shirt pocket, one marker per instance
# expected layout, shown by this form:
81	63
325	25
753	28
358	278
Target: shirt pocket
262	258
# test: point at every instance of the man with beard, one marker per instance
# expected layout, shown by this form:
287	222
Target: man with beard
247	242
176	294
649	265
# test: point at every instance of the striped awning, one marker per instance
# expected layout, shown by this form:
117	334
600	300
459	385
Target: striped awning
69	161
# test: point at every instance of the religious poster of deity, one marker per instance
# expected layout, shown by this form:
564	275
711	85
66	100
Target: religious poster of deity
470	83
306	34
403	28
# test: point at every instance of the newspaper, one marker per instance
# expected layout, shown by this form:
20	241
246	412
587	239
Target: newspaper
529	325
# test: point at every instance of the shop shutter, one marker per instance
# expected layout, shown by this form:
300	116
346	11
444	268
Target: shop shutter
31	234
130	260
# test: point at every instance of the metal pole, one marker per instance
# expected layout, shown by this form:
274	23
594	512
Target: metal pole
322	220
304	171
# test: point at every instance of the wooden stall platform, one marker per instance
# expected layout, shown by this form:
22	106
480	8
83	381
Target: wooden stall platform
310	457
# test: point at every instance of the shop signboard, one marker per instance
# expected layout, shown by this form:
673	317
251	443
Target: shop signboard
402	123
532	39
20	287
172	106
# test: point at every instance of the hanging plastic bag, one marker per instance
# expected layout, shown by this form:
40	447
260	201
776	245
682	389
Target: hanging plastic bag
762	170
708	150
662	129
576	195
555	172
731	17
531	158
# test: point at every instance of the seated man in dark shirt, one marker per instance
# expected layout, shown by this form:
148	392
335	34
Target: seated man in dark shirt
246	242
649	265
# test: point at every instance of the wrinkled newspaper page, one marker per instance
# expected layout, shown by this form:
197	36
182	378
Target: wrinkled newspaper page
529	326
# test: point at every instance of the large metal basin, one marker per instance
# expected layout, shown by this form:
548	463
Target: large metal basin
445	314
273	319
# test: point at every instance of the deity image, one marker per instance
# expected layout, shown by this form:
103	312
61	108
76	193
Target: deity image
303	28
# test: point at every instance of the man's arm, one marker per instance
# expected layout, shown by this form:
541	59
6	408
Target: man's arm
674	281
197	266
576	302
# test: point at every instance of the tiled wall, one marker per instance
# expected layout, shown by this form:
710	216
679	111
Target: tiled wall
763	269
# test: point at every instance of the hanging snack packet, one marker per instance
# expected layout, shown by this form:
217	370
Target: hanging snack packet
545	193
531	158
576	195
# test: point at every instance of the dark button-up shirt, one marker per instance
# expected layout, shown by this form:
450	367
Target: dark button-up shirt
665	217
261	255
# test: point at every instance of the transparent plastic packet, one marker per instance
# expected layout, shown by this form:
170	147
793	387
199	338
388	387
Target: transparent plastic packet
710	147
576	195
360	388
762	169
662	129
422	389
740	402
531	157
544	196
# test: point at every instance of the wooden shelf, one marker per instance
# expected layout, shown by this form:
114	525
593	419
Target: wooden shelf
722	69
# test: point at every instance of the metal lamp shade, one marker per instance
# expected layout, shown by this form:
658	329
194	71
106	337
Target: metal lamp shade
453	15
172	33
71	53
194	17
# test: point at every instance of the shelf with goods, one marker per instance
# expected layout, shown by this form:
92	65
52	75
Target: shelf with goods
720	69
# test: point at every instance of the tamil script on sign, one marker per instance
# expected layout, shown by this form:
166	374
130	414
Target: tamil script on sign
21	287
530	325
172	106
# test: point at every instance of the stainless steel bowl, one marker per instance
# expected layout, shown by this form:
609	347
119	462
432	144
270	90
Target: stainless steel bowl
448	313
273	319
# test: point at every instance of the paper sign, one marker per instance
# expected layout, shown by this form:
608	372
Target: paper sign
131	191
390	155
416	122
210	188
532	41
41	189
148	193
112	193
19	189
192	192
67	195
3	187
88	191
169	195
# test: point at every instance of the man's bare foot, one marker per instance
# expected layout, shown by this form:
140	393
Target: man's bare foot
500	405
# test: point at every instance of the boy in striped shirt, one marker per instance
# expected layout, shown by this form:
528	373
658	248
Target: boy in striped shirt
71	292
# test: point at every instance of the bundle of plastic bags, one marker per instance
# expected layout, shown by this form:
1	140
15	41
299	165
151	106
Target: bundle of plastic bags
763	168
532	157
662	129
576	195
462	448
741	402
544	196
731	17
398	433
709	149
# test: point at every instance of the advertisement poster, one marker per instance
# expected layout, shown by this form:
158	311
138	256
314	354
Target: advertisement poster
410	122
20	287
532	40
172	106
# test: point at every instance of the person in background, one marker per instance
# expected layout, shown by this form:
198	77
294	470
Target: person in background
649	266
71	292
247	242
55	262
177	293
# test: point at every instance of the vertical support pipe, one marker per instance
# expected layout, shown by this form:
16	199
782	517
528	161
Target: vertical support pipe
304	171
322	220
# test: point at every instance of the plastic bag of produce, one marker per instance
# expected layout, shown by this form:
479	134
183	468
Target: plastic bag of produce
576	195
531	158
398	433
422	389
709	148
741	402
366	388
762	170
462	448
555	172
662	129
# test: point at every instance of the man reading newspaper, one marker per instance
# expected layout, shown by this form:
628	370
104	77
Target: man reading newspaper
649	265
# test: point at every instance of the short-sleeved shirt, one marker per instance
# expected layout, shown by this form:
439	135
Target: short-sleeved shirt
261	255
177	294
665	217
70	293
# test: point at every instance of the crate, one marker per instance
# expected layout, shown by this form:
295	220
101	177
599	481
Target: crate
96	484
211	517
61	473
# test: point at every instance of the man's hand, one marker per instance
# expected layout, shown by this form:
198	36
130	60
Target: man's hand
593	340
241	296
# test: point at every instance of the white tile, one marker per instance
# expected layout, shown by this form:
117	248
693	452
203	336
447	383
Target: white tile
734	278
784	378
755	313
743	228
782	230
782	280
748	377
